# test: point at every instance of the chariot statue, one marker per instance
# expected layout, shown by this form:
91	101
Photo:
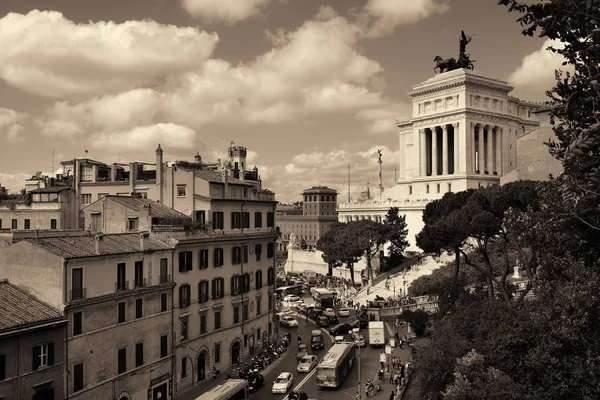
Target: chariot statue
463	61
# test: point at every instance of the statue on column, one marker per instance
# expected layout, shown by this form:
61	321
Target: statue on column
450	64
379	154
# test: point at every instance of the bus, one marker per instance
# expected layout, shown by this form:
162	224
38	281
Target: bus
230	389
294	289
335	366
323	297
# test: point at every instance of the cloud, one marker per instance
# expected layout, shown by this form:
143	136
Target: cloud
46	54
11	124
169	135
13	182
383	119
380	17
228	11
535	75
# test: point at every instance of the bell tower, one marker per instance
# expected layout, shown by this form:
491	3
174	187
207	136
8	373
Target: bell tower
237	159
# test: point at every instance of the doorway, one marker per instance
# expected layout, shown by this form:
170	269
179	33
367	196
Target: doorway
160	392
201	367
235	352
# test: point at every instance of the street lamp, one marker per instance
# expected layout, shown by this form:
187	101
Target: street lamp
404	283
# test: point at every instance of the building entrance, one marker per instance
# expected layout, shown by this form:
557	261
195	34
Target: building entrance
201	367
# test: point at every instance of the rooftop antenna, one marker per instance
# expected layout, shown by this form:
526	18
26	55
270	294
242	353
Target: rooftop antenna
349	183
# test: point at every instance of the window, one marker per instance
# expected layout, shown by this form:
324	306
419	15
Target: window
203	255
77	291
86	174
427	188
270	309
257	251
181	190
203	291
245	192
121	316
139	354
217	222
139	274
164	270
235	255
53	224
201	217
86	198
184	296
43	356
245	254
203	326
13	224
270	276
258	279
217	353
258	306
122	284
217	320
183	368
246	220
246	283
185	261
139	308
270	220
132	224
218	257
449	187
77	377
122	361
77	323
2	367
164	346
218	288
163	302
184	328
270	250
236	220
236	315
258	220
245	312
410	190
27	223
235	285
438	187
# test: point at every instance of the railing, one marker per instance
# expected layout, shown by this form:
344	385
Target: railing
121	285
140	283
430	307
77	294
164	278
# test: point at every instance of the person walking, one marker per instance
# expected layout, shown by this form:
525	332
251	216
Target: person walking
392	395
382	359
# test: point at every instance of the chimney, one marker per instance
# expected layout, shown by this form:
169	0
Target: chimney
99	242
516	272
159	172
144	241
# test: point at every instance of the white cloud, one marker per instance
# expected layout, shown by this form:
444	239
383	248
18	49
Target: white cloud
144	137
381	17
44	53
383	119
11	124
13	182
535	75
229	11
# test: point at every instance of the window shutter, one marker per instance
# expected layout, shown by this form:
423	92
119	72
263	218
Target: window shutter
214	289
221	287
247	285
188	260
50	354
232	284
200	296
180	296
181	261
37	351
232	220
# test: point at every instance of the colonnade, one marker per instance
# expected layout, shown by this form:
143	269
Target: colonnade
486	149
376	218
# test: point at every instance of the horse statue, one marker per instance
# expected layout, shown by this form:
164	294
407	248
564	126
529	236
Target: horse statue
442	65
465	62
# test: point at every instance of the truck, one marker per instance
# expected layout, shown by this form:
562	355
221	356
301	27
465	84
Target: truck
376	333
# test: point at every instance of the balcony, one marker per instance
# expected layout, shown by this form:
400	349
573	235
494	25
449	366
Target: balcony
121	285
164	279
140	283
77	294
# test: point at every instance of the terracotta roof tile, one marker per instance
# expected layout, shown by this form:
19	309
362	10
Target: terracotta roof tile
18	308
156	209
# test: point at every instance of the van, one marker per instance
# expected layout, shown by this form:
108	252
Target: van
316	339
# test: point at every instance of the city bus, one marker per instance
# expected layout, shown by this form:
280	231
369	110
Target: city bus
323	297
230	389
294	289
336	365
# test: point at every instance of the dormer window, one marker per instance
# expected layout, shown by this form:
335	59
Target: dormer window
181	190
132	224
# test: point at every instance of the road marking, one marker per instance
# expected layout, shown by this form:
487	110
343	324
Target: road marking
306	378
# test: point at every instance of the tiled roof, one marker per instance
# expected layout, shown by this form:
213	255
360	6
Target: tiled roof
18	308
216	177
53	189
85	246
156	209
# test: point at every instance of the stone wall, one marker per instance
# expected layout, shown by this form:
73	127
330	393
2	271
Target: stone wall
312	260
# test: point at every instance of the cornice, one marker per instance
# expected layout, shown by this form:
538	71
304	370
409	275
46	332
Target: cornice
467	81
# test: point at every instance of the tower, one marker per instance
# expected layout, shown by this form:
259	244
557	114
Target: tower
159	172
237	158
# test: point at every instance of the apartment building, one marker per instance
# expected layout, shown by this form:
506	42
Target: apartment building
115	291
32	337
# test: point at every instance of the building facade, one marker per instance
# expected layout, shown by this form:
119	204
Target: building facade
318	214
463	134
45	208
116	293
32	337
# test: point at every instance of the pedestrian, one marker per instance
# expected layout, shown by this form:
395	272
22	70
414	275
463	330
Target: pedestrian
382	359
392	395
380	375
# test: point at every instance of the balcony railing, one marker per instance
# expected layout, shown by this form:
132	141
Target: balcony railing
121	285
165	278
77	294
140	283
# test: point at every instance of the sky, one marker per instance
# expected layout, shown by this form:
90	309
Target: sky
309	87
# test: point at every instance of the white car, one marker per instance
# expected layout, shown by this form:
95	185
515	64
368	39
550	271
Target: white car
344	312
307	363
283	383
292	298
339	339
360	341
288	321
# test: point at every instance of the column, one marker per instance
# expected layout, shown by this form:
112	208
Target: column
423	144
456	148
490	150
480	156
434	152
444	149
473	149
498	164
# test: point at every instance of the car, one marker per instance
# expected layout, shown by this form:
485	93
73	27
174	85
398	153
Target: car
359	341
302	352
340	329
339	339
255	382
329	312
288	321
323	321
316	339
279	315
334	320
283	383
292	298
344	312
307	363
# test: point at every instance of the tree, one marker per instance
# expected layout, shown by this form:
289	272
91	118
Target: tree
418	320
330	245
398	231
366	237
